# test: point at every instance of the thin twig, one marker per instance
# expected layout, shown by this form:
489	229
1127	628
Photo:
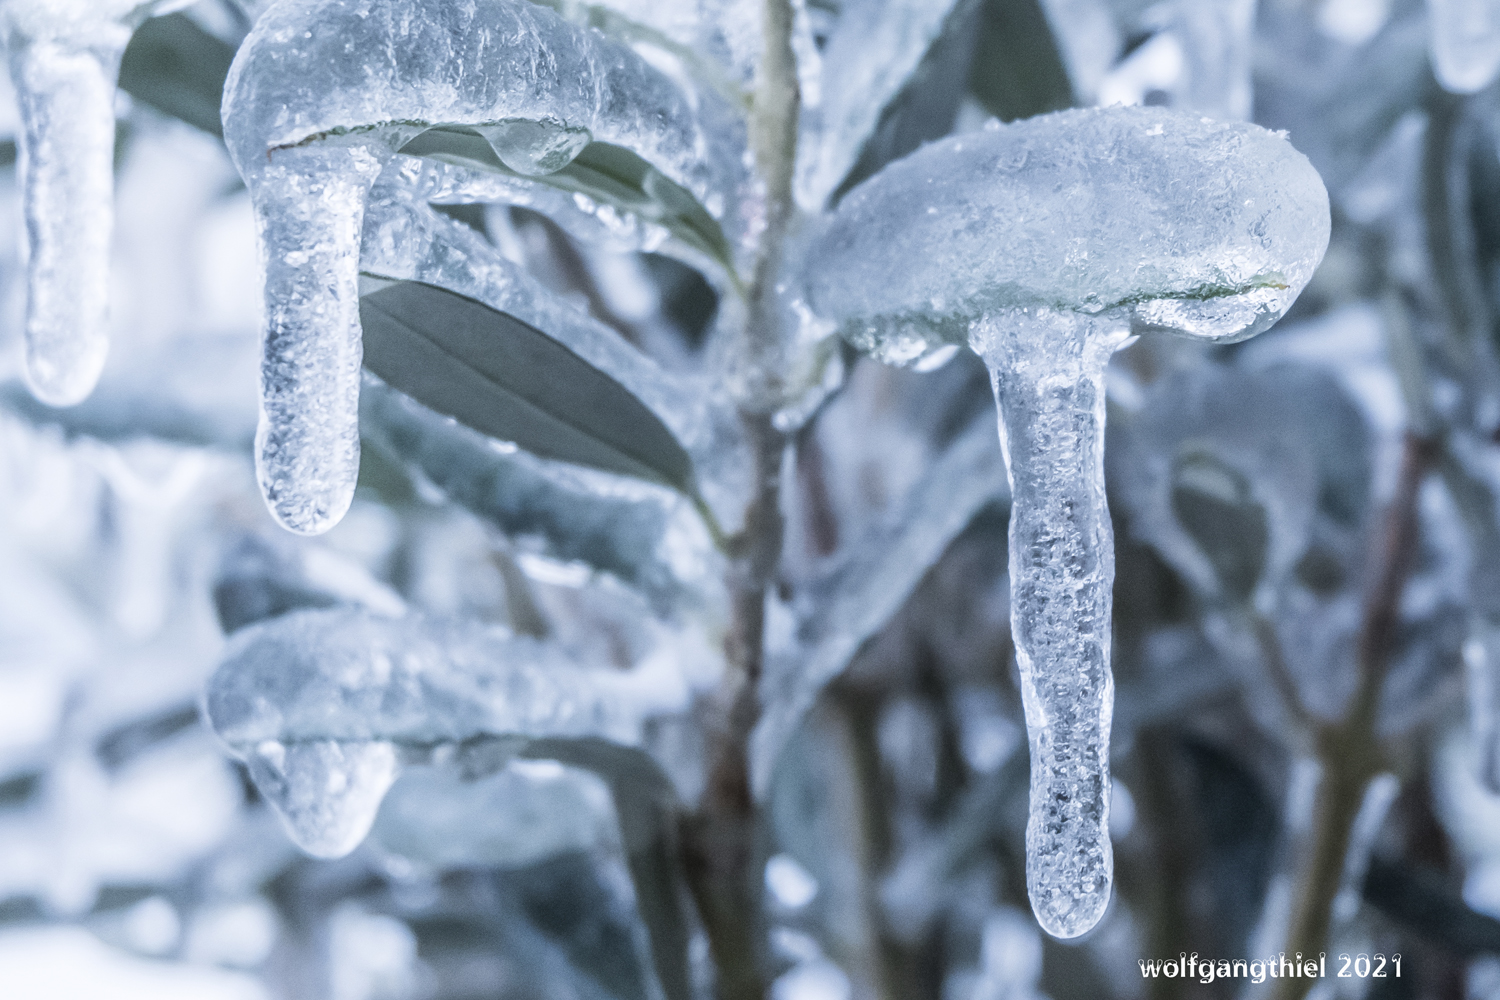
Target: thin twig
722	848
1349	750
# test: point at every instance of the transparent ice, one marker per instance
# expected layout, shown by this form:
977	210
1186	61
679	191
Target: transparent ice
322	704
1043	245
1465	43
64	58
322	95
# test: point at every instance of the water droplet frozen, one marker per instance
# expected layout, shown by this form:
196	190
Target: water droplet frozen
327	792
1465	43
1055	238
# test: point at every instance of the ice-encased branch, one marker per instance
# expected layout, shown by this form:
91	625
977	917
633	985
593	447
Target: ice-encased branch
322	95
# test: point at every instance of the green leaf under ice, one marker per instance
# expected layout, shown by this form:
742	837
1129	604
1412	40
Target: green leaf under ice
607	174
179	69
505	378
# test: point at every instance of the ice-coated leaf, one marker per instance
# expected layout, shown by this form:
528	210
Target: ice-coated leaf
717	41
1214	505
1202	228
859	594
405	239
603	174
647	809
321	704
643	536
178	68
64	58
323	94
507	379
875	48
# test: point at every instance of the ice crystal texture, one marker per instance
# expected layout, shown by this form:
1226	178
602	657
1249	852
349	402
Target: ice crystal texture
322	95
322	703
1043	244
1465	43
64	58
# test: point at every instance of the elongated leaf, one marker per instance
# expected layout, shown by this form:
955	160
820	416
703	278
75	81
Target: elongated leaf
179	69
610	175
507	379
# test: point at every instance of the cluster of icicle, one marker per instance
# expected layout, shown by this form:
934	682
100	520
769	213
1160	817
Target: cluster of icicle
1043	245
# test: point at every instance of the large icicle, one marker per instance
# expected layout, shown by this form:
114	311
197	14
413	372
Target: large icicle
322	94
1043	245
64	58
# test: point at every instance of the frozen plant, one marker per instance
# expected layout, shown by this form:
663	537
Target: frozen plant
1045	257
606	560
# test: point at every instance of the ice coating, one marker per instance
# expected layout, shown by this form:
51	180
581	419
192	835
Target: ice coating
64	59
321	95
1465	43
1170	220
1043	245
319	703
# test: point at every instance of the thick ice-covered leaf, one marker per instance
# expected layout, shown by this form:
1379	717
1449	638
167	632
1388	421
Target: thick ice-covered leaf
322	95
405	239
1162	219
861	592
645	536
322	703
505	378
178	68
875	47
601	173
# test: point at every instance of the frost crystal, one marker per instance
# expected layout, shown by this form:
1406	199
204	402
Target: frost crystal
1042	245
64	58
322	95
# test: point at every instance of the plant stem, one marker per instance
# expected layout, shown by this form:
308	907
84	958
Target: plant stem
722	844
1349	750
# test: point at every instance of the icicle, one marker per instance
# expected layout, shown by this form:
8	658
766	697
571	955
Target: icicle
322	94
64	58
1044	256
309	204
1047	369
1465	43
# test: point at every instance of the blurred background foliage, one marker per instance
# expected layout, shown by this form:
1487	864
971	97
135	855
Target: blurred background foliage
1307	646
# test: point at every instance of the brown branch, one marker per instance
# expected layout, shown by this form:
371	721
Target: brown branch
1350	750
